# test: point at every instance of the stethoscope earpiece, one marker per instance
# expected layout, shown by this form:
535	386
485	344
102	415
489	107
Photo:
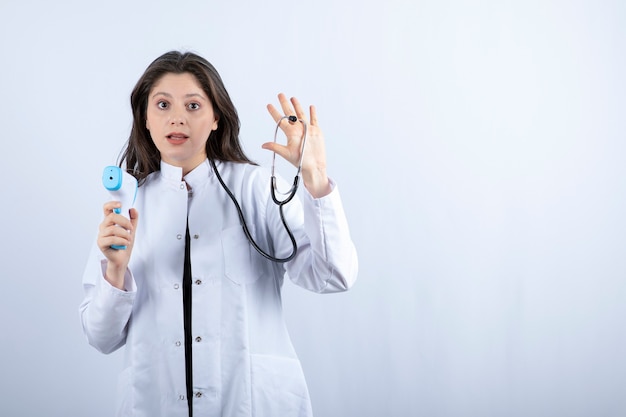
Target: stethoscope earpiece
291	119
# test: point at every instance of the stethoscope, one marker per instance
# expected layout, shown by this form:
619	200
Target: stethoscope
273	190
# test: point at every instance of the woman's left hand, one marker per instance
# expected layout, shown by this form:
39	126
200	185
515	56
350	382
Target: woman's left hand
314	159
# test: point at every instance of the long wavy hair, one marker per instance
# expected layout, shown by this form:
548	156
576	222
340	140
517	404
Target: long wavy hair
140	156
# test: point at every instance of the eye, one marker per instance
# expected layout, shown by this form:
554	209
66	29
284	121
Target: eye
162	105
193	106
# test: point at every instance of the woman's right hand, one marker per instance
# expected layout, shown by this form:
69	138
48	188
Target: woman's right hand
116	229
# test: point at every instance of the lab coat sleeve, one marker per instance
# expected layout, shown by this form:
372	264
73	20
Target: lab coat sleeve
327	260
105	310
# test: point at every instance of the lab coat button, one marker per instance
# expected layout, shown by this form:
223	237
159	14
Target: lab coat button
198	339
196	236
182	186
198	281
181	397
178	343
179	237
198	394
176	286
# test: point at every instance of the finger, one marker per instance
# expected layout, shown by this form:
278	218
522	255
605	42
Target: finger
105	243
114	235
313	112
116	231
273	112
285	105
275	147
277	115
109	206
134	218
298	108
281	150
114	220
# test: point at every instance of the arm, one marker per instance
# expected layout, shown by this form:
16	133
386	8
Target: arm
108	284
326	259
105	310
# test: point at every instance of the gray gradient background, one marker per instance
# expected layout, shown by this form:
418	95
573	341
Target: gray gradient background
479	148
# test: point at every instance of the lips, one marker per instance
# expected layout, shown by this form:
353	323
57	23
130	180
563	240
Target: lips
176	138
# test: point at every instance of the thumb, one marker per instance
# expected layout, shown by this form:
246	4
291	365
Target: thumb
272	146
134	217
281	150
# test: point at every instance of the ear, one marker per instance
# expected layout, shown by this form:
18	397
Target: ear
215	123
147	125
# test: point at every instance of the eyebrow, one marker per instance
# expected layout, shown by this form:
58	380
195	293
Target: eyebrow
162	93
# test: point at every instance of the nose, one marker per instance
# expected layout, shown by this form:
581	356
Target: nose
177	118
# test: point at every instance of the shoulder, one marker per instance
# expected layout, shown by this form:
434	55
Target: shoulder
250	183
243	168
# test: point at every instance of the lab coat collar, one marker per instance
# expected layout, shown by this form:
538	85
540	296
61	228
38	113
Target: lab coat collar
199	175
195	178
171	173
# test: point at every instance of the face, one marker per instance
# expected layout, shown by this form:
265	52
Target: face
180	118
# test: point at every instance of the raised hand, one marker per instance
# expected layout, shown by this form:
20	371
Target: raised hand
314	159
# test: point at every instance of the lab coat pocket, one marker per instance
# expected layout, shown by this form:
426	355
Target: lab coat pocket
278	387
241	263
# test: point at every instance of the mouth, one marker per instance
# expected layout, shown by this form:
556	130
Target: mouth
176	138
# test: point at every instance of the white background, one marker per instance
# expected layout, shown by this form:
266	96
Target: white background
479	148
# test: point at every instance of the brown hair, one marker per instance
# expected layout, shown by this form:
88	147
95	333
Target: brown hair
141	155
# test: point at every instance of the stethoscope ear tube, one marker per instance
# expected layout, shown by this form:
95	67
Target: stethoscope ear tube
292	192
292	119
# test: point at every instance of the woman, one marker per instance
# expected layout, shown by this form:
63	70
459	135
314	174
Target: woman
198	309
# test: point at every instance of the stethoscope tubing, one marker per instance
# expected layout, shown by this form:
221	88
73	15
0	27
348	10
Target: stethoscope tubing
281	203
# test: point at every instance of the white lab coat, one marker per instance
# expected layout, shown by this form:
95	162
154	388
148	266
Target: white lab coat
243	361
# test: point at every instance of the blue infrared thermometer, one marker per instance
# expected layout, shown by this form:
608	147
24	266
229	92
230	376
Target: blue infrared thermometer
123	188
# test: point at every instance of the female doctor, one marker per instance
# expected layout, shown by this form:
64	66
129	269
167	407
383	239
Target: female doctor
198	309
